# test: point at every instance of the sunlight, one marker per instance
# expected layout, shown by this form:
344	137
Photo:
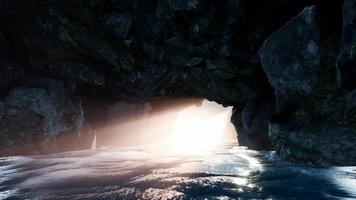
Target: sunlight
198	129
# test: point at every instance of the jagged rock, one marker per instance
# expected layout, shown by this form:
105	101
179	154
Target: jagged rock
314	123
347	57
21	132
38	116
252	125
323	131
38	101
291	59
322	144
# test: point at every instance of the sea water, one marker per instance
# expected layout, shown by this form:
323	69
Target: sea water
231	172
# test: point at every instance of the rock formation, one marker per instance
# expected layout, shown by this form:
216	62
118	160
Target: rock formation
285	65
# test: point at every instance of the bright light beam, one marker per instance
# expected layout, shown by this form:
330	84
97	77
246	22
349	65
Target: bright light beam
199	129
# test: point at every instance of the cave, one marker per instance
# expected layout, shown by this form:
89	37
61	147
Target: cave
177	99
64	65
183	126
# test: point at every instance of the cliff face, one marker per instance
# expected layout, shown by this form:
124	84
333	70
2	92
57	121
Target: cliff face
315	120
262	57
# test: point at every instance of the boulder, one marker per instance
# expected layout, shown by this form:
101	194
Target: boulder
322	144
21	132
291	59
314	122
34	118
321	132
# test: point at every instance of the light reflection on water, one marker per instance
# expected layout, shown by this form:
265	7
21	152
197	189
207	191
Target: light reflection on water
229	173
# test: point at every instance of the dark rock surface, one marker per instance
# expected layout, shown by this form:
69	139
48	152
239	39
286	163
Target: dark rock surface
315	121
291	58
251	124
347	58
322	131
63	63
34	118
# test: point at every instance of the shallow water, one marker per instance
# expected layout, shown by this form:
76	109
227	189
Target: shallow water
133	173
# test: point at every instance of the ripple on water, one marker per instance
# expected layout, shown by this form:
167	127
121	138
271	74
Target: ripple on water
230	173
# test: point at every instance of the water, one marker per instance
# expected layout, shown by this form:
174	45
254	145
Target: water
134	173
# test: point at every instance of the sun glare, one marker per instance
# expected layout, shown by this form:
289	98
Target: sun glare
199	129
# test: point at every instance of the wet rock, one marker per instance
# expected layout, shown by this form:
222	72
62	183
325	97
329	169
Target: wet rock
251	124
347	57
291	59
38	101
314	122
38	116
321	131
305	145
21	132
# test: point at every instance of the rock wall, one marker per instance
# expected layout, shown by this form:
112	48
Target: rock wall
315	119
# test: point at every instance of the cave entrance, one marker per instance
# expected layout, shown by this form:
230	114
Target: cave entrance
184	126
201	128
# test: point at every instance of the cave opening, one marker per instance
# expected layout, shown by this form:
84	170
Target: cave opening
181	126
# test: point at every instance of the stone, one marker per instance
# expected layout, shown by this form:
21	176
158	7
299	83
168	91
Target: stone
35	117
38	101
322	144
21	133
251	124
291	59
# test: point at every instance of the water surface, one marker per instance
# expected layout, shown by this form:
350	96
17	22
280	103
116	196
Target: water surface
138	173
